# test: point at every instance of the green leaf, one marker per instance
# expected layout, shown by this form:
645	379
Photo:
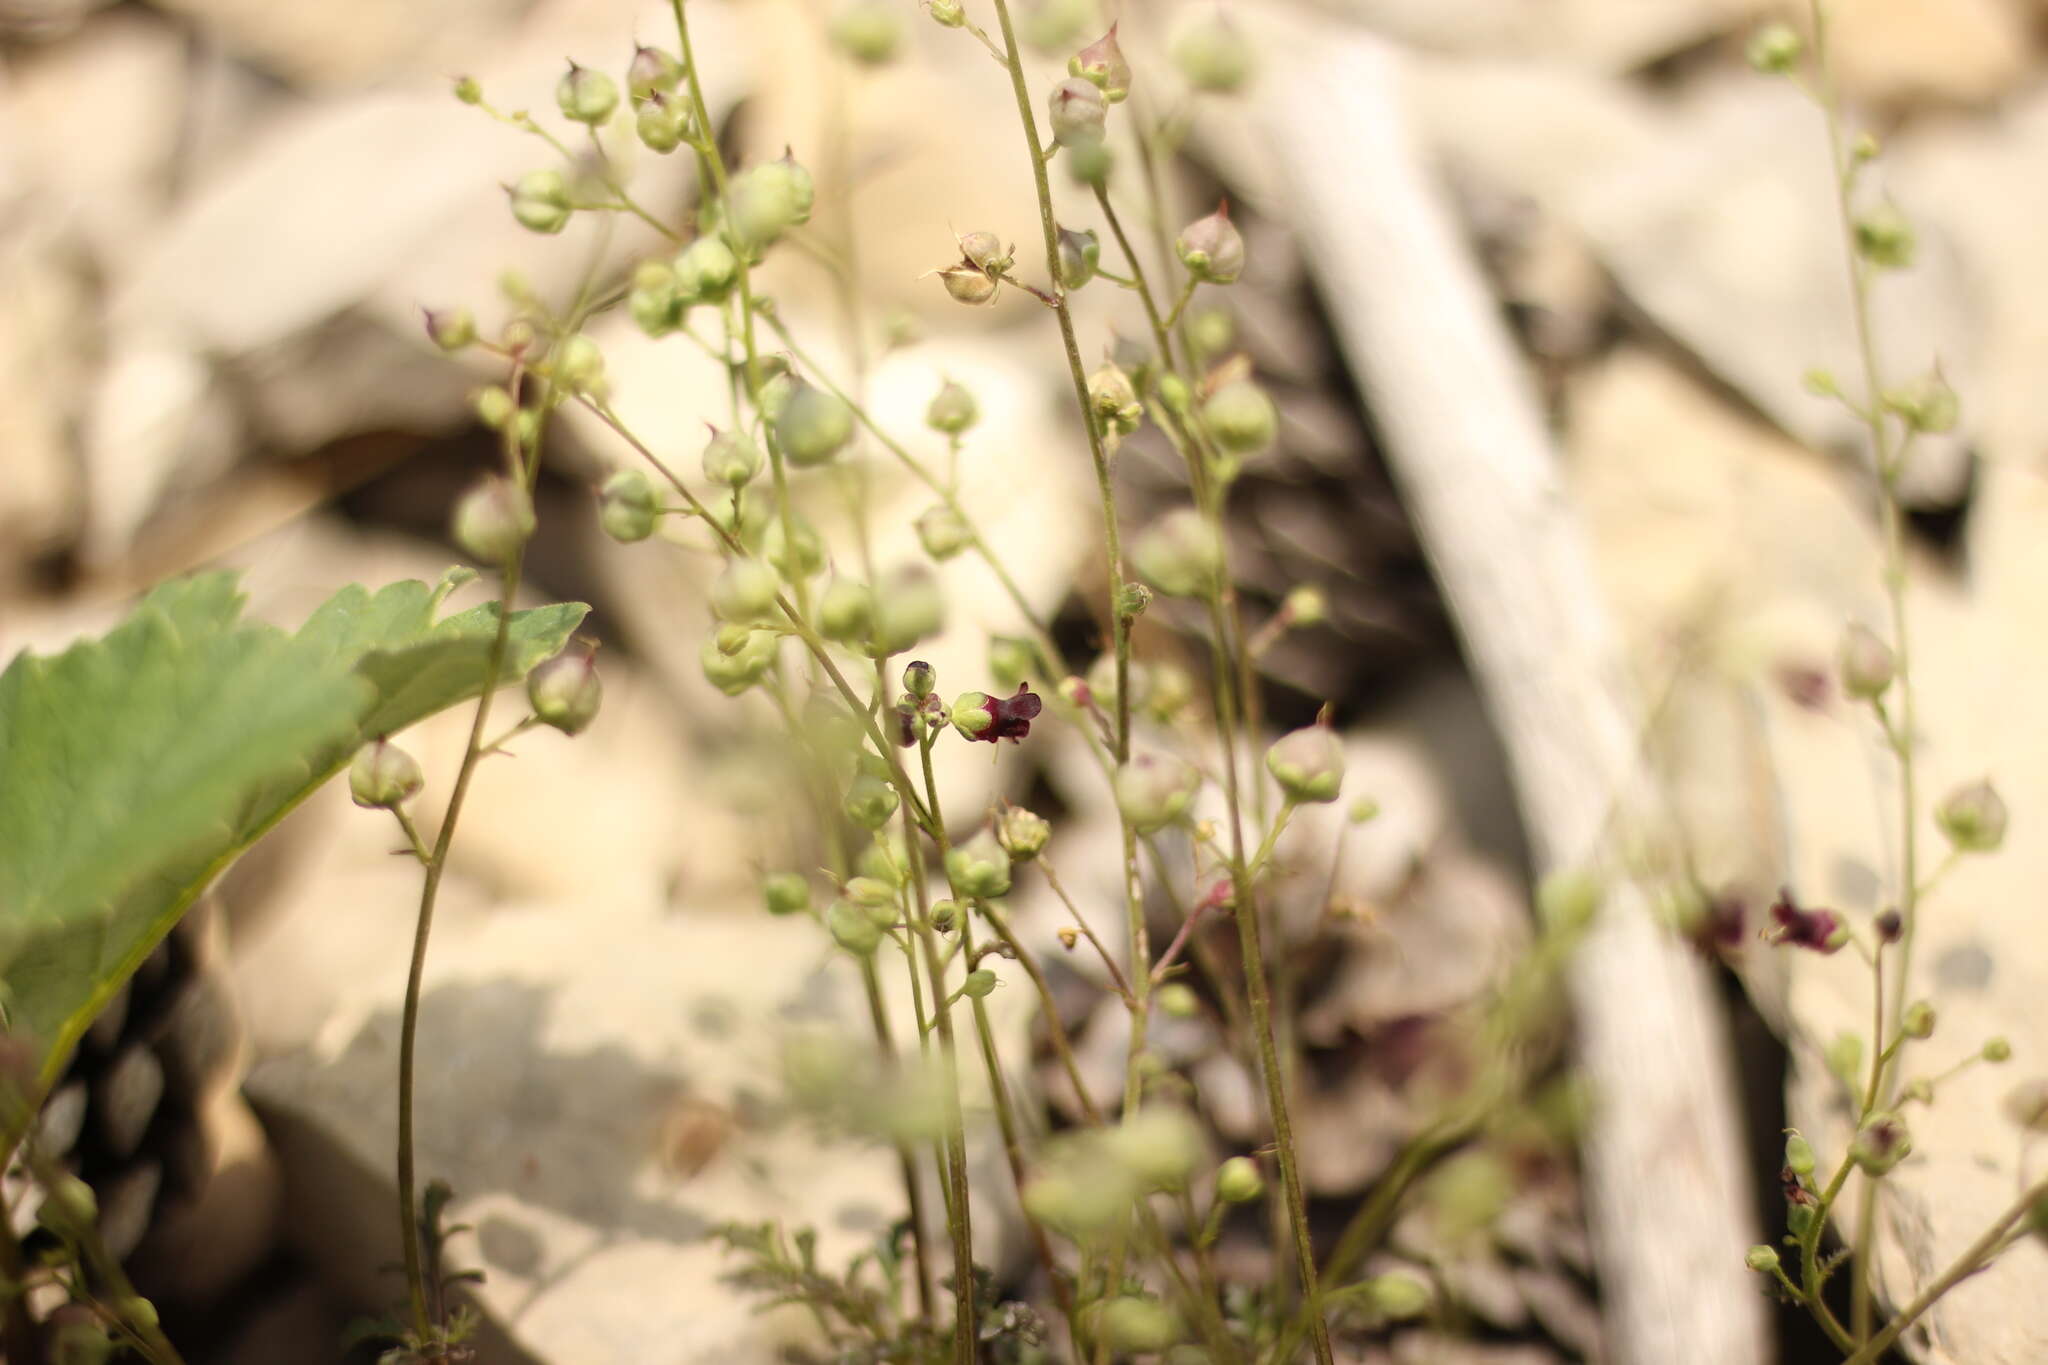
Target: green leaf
135	767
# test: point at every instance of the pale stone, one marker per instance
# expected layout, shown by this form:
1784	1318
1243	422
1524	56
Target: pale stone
1943	51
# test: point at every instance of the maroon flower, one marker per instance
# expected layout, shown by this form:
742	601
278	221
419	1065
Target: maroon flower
1010	717
1820	930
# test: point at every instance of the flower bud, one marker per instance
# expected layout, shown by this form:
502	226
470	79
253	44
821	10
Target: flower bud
1211	248
1180	555
1918	1020
812	425
1209	52
1241	417
979	983
1890	925
578	365
734	672
565	691
450	329
1080	257
869	31
1885	238
908	608
1113	399
1775	49
853	928
1761	1259
2026	1104
661	123
468	91
731	458
1102	64
1130	1325
586	96
1867	666
383	776
1238	1180
540	201
745	591
952	410
652	71
946	13
943	531
1799	1158
1881	1143
968	284
1080	113
1308	764
1996	1050
706	271
1928	404
846	611
945	916
979	869
1973	817
1022	833
786	893
920	679
870	802
1153	792
492	520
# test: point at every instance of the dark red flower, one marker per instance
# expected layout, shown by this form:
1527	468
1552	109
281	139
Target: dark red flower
1820	930
1010	717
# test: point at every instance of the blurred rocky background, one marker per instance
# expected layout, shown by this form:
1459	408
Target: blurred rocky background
220	218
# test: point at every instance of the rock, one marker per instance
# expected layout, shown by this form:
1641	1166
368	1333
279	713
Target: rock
1612	35
1930	51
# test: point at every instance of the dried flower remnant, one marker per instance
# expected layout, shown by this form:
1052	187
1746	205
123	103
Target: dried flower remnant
1820	930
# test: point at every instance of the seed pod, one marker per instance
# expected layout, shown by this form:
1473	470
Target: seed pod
1080	112
661	123
1022	833
1928	404
786	893
1080	257
731	458
735	671
578	365
908	607
853	929
1113	399
846	611
1210	52
869	31
383	776
1775	49
1867	665
1918	1020
706	271
1153	791
1308	764
1211	248
1180	555
968	284
1090	163
1973	817
943	531
493	520
765	201
586	96
979	868
451	329
1241	417
1158	1147
979	983
652	72
565	691
540	201
793	547
745	591
1885	238
869	802
1102	65
812	425
1881	1143
1134	1326
652	301
952	410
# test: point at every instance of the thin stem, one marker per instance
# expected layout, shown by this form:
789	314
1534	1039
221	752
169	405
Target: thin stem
906	1160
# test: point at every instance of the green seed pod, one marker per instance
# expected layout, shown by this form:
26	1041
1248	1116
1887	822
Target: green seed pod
1799	1156
776	542
1397	1297
853	928
1022	833
1102	64
968	284
661	123
1080	257
1211	331
451	329
1885	238
979	868
1209	52
943	531
1158	1147
946	916
1928	404
1078	1204
1211	248
745	591
978	984
383	776
1180	555
1090	163
1775	49
1135	1326
1761	1259
1881	1143
920	679
1154	791
494	406
1308	764
846	611
1866	664
1918	1020
1176	1000
652	72
1011	661
946	13
872	892
540	201
627	507
1996	1050
69	1208
1113	398
586	96
468	91
908	608
1242	418
812	424
1080	112
1973	817
786	893
732	458
1238	1180
706	271
762	203
869	31
652	301
578	364
493	520
870	802
565	692
735	672
952	410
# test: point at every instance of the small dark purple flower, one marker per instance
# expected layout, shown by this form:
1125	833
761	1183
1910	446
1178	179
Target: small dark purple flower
1010	717
1820	930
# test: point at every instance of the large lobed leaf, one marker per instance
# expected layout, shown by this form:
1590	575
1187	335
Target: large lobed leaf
133	768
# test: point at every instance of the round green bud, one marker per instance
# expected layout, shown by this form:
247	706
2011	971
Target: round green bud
952	410
1080	112
468	91
1238	1180
1997	1050
978	984
1799	1158
1881	1143
627	507
493	520
1866	663
451	329
1135	1326
908	608
920	679
69	1208
1308	764
846	611
1885	238
786	893
383	776
1918	1020
732	458
1211	248
1242	418
578	364
812	424
979	869
706	271
1177	1000
869	31
1180	555
1080	257
1397	1297
943	532
652	72
1022	833
1775	49
945	916
870	802
661	123
493	406
1090	163
1154	791
1113	399
745	591
1973	817
1209	52
733	672
540	201
586	96
853	928
565	691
